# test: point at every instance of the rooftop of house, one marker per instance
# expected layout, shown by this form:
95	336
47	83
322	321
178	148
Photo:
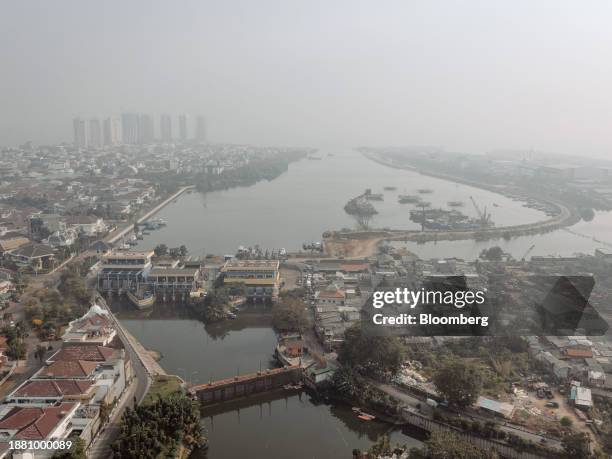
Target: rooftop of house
129	255
236	264
331	292
34	251
578	353
354	267
89	353
13	243
52	388
91	323
36	423
68	369
81	219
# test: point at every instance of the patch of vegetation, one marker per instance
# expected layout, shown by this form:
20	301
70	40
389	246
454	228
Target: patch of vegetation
459	382
162	387
48	309
15	345
160	428
289	315
76	451
379	356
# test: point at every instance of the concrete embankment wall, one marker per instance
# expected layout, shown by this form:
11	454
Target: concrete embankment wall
129	228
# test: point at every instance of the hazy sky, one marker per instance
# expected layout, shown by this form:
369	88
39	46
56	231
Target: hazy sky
466	75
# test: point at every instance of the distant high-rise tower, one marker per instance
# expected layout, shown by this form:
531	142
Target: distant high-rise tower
146	130
129	128
200	129
183	131
80	133
95	133
112	131
165	124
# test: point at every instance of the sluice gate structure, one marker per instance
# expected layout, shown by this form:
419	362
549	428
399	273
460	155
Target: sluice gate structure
246	385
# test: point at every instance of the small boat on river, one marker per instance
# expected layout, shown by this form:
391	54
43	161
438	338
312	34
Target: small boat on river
142	300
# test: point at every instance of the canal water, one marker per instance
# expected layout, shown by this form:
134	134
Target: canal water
279	425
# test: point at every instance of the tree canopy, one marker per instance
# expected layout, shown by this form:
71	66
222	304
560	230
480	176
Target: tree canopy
459	382
157	429
289	315
379	355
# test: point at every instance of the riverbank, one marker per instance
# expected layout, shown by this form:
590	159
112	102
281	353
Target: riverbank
129	227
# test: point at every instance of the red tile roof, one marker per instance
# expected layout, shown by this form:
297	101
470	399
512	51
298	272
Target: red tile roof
332	294
354	267
53	388
83	352
578	353
35	423
68	369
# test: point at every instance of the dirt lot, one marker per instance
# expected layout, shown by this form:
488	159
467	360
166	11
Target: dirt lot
543	418
290	277
357	248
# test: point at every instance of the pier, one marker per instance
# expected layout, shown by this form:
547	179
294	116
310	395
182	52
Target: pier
117	235
245	385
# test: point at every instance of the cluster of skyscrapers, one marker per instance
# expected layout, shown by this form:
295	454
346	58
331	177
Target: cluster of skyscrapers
137	129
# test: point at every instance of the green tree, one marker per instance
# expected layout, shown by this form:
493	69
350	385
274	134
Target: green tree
378	355
158	429
459	382
494	253
566	421
40	352
382	447
16	349
76	451
160	250
289	315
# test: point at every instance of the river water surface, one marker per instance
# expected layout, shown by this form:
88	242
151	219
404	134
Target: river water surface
308	199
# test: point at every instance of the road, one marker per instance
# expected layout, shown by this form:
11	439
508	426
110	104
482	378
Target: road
143	376
119	233
412	402
101	446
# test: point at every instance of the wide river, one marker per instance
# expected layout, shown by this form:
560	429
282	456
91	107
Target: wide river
297	207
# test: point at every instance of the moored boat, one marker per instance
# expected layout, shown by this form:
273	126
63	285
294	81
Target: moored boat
141	300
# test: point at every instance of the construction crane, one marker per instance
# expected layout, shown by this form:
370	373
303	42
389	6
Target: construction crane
528	252
483	216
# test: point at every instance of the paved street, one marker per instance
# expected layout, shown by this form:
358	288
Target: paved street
101	447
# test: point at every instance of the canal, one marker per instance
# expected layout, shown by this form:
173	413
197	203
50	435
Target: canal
279	425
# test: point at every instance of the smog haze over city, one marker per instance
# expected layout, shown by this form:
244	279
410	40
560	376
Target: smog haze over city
316	229
468	75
